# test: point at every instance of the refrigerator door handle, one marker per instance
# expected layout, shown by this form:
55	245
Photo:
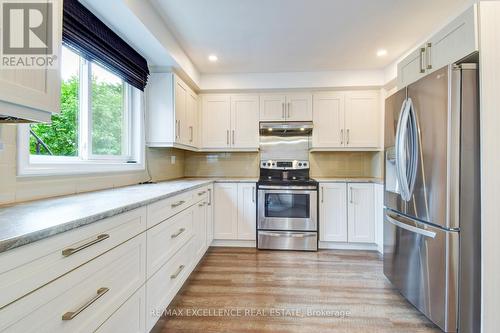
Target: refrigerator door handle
410	228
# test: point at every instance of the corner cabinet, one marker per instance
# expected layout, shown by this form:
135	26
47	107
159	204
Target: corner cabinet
286	107
454	42
347	120
33	94
172	112
347	213
230	122
235	211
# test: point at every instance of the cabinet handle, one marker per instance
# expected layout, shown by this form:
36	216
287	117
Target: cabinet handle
288	109
422	60
209	197
72	250
283	115
72	314
176	274
191	136
350	195
348	136
429	56
233	137
322	194
227	137
253	194
177	204
180	231
202	192
341	136
202	204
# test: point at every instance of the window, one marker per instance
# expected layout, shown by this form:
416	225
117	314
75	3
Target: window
99	123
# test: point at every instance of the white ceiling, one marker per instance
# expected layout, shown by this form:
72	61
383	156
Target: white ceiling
252	36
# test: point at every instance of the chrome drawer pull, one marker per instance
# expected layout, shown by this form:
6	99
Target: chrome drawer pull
201	204
181	230
177	204
201	193
72	314
73	250
176	274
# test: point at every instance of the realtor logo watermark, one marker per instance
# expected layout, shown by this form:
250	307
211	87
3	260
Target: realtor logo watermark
28	30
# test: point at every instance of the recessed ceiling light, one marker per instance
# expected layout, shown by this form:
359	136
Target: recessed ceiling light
213	58
381	52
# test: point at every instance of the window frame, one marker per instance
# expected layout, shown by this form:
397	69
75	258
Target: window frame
87	162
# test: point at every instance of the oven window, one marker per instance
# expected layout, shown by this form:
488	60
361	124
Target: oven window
287	205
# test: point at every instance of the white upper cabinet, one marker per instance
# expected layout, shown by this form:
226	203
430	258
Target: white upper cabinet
346	120
230	122
172	112
33	94
361	213
333	212
216	121
286	107
328	119
245	121
362	124
451	44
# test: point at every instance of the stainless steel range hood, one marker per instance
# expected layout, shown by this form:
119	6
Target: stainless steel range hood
286	128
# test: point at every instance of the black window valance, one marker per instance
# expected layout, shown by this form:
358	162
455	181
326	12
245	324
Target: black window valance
84	32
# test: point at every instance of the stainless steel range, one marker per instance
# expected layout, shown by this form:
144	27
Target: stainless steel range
287	206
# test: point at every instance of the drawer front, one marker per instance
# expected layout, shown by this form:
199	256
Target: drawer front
288	240
130	317
29	267
166	238
164	284
83	299
201	194
162	210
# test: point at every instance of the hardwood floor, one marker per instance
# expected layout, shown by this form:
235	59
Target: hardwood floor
280	287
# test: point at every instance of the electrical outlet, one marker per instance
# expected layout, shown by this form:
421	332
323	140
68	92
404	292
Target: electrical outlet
172	159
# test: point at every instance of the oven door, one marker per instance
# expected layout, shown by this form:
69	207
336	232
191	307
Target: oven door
287	208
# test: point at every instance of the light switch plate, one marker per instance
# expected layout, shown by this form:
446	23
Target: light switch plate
172	159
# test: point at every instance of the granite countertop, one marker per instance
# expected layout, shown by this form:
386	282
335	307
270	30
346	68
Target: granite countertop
350	180
24	223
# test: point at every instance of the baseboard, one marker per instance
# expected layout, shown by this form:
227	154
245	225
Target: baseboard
347	246
233	243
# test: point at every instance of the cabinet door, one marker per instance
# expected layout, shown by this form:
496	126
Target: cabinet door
225	211
272	107
328	117
34	93
246	211
191	118
180	101
454	42
200	229
411	68
216	121
245	121
361	213
210	217
362	122
299	107
333	212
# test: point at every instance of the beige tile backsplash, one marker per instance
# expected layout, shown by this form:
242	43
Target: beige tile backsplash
221	164
13	189
345	164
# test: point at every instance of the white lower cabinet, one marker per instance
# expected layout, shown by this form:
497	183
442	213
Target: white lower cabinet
235	211
83	299
130	317
347	213
333	212
200	225
361	213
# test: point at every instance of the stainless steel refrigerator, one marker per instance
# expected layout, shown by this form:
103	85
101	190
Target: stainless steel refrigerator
432	196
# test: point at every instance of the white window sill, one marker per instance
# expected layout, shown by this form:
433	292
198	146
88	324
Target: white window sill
76	168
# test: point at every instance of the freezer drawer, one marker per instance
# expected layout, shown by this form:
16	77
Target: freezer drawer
287	240
421	261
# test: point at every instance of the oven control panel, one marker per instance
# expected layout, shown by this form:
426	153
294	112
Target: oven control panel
284	165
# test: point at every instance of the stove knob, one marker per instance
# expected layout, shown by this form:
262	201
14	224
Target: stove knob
300	164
